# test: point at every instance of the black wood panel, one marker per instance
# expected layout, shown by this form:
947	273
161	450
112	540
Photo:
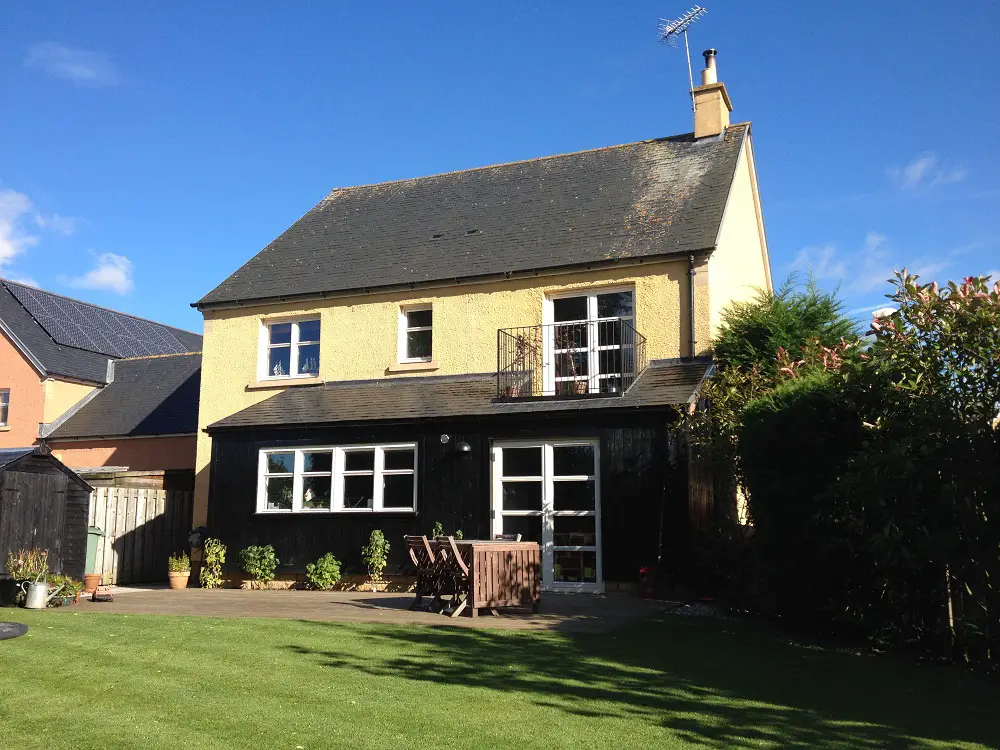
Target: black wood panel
638	488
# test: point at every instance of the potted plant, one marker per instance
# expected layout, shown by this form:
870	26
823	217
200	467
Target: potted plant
323	574
68	588
23	565
179	570
213	558
259	561
376	556
91	581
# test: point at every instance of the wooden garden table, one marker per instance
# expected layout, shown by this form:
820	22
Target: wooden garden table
502	573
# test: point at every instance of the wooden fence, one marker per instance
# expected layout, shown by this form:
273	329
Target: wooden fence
142	527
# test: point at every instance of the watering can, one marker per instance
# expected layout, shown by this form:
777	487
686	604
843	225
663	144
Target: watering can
37	594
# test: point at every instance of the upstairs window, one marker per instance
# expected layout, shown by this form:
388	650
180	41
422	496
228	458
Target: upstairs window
4	405
415	334
291	349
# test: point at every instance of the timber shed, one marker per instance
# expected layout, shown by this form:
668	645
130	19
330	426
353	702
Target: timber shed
43	505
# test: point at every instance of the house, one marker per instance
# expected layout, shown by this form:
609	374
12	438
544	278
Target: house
58	355
501	349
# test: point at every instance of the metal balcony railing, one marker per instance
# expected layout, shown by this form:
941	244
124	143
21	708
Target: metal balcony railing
582	358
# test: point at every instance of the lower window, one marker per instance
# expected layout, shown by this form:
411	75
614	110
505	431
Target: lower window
355	478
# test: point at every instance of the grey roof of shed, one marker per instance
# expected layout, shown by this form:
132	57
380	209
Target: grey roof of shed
74	339
637	200
149	396
10	455
663	383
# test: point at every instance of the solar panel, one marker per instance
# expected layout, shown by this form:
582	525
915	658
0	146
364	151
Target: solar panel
95	329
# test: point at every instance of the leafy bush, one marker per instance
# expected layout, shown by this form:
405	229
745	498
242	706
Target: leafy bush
324	573
179	563
28	564
795	444
70	588
260	562
376	554
438	530
211	566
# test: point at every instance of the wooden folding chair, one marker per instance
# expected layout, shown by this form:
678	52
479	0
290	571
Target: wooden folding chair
428	577
456	572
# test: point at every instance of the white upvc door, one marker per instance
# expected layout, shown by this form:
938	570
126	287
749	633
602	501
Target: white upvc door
548	491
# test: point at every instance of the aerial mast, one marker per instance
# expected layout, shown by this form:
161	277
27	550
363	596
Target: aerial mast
671	30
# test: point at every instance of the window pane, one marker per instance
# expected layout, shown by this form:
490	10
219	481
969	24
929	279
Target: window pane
279	493
609	361
522	495
522	462
280	463
399	458
397	491
571	336
317	461
573	495
614	305
611	385
571	365
574	531
575	567
309	330
611	332
359	460
279	361
569	308
418	344
529	527
358	491
309	359
316	492
573	460
281	333
417	318
3	413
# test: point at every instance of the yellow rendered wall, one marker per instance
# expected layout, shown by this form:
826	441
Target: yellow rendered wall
26	397
739	265
60	395
359	335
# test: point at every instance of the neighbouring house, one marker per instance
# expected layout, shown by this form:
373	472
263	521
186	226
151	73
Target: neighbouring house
43	505
502	349
57	355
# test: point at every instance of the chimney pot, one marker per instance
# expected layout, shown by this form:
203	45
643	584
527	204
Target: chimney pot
710	73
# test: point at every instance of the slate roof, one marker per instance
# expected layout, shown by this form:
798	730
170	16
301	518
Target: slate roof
637	200
69	338
148	396
663	383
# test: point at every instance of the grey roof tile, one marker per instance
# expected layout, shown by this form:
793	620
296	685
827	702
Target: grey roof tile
637	200
10	455
399	400
149	396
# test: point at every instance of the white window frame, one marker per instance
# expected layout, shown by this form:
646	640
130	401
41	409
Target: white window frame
548	513
4	407
337	474
264	347
593	377
405	327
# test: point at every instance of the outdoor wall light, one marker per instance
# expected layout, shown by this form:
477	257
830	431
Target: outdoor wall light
463	447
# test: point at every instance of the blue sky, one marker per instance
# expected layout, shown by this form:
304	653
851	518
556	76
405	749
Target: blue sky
147	152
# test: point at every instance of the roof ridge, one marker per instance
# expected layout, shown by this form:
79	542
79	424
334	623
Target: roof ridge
156	356
89	304
497	165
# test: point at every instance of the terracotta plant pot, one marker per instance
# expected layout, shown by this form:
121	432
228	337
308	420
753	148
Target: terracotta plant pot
179	580
91	581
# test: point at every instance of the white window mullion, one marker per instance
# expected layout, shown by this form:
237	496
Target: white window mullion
337	494
299	465
262	482
548	555
378	484
293	355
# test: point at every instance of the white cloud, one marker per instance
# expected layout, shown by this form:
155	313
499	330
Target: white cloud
112	273
821	262
82	67
924	171
14	240
26	280
65	225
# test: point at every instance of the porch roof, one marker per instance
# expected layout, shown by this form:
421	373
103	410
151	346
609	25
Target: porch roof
663	383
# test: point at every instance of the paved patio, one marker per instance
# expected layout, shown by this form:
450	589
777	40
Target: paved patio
564	612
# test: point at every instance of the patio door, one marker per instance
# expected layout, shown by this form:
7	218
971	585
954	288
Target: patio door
548	491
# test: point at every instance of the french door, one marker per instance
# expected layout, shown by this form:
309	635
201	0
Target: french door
548	491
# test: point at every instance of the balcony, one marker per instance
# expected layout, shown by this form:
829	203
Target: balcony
596	358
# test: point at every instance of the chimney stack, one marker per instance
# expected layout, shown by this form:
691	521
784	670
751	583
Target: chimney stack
711	101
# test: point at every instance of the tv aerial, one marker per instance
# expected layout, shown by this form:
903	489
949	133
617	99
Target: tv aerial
671	30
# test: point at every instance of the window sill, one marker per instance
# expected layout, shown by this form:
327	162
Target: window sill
346	511
283	383
411	367
4	428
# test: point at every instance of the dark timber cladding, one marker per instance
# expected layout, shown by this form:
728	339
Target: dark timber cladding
43	505
642	485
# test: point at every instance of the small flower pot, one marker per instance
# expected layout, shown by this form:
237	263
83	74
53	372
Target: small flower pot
91	581
179	580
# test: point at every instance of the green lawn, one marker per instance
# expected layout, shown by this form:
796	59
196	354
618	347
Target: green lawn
104	681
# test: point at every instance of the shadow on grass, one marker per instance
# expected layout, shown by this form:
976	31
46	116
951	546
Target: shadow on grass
711	683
